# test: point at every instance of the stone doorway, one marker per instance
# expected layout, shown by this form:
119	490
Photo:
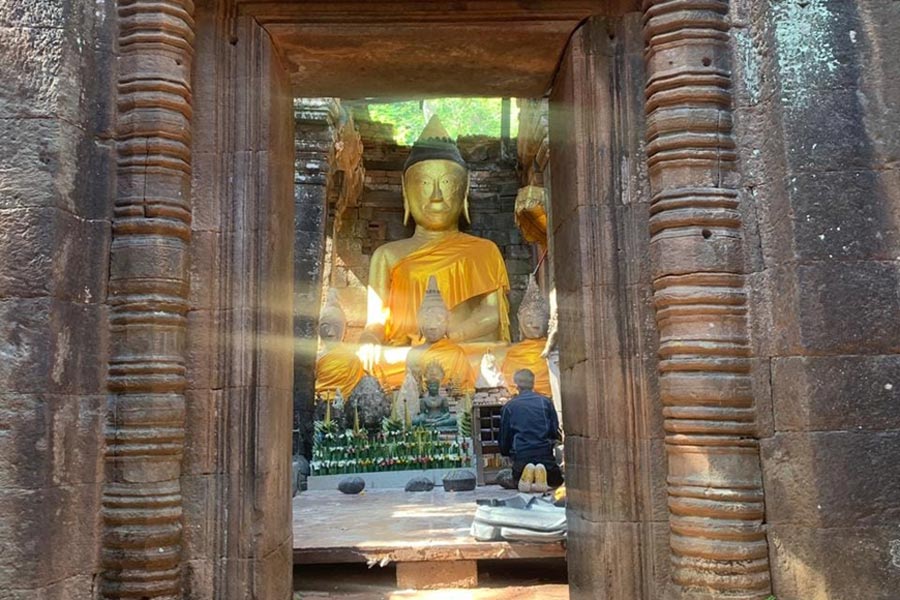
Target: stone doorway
146	330
254	58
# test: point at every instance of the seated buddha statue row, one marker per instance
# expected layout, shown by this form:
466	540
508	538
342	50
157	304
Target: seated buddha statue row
439	295
340	367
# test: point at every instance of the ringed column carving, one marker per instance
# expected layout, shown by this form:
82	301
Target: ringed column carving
148	298
715	495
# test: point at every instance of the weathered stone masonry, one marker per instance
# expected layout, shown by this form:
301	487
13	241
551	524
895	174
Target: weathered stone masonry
148	292
716	509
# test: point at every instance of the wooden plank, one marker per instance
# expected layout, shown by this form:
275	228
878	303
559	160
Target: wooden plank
387	555
398	526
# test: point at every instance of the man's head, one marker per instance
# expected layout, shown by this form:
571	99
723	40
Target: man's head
435	180
524	380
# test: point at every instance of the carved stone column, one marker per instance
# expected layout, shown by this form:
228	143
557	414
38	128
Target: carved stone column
148	287
718	539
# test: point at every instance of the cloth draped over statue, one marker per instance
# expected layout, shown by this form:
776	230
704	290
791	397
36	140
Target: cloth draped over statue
338	369
527	355
464	266
453	361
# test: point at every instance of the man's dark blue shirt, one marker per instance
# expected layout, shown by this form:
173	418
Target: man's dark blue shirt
528	427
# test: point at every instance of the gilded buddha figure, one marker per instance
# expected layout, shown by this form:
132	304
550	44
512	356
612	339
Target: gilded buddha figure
534	316
469	270
437	349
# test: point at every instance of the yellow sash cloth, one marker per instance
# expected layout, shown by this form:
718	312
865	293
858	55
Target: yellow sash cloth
464	266
527	355
455	362
338	369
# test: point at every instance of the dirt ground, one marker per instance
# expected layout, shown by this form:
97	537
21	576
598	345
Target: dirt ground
543	579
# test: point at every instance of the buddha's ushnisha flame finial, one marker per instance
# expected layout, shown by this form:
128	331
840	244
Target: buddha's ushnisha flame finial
434	130
533	302
432	298
332	311
434	144
434	372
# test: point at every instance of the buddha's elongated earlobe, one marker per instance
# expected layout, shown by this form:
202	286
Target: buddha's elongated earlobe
405	199
466	198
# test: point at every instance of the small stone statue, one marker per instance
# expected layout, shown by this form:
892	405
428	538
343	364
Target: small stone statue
433	318
337	366
489	375
370	402
408	398
434	412
534	316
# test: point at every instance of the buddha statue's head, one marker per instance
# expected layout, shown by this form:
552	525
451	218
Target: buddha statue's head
435	181
433	316
332	320
434	375
534	312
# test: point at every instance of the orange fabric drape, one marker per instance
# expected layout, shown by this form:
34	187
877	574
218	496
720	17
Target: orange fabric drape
527	355
338	369
453	360
464	266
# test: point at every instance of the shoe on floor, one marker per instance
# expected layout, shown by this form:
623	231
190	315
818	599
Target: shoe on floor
540	479
526	481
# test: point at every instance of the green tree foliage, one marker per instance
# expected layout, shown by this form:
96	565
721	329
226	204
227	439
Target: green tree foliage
460	116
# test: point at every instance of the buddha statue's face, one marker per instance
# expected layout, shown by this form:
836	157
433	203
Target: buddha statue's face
331	330
433	324
533	324
435	192
433	386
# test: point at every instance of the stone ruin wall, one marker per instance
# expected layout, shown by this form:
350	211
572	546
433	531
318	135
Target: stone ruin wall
816	121
817	118
315	122
378	218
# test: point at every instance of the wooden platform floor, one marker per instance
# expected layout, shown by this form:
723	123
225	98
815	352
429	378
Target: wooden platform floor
391	526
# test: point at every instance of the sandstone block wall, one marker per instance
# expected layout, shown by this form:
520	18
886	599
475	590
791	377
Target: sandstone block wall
313	137
599	238
817	99
56	197
236	473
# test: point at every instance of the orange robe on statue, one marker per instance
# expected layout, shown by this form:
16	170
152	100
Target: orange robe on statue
453	360
338	369
465	266
527	355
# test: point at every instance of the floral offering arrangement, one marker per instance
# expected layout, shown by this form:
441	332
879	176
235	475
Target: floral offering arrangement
394	448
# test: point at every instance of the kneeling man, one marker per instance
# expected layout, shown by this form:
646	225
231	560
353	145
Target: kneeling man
529	429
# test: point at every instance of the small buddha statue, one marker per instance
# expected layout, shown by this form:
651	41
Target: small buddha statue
433	320
337	366
469	270
534	316
434	411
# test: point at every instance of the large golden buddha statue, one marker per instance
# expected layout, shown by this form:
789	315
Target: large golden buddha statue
469	270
